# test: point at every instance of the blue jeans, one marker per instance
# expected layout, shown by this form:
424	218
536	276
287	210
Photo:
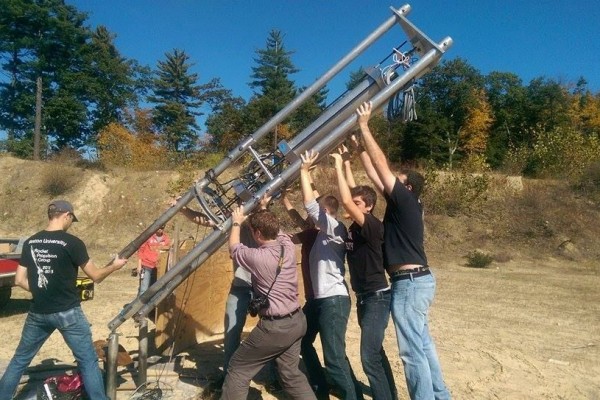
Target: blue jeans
75	329
333	313
411	299
146	276
236	310
314	369
373	313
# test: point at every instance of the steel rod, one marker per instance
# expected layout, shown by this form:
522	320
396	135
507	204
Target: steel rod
326	142
111	365
143	352
240	149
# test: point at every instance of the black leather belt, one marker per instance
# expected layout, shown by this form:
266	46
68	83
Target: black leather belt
401	275
364	296
407	271
278	317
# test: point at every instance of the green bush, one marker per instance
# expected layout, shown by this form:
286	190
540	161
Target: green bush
454	193
516	160
206	160
475	163
560	153
59	179
21	148
478	259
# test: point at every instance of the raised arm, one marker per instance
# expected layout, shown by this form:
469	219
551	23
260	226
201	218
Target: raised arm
237	218
365	160
292	212
378	160
195	216
308	158
346	196
343	151
312	184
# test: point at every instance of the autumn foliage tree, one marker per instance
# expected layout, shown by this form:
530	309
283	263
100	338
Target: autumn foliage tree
585	112
475	132
120	147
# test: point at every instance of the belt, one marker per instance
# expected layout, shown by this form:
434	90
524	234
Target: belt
364	296
397	276
393	272
278	317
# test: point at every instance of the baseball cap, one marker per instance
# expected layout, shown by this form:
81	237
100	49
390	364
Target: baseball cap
62	206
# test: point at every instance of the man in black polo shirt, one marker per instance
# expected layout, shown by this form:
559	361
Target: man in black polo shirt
367	277
413	284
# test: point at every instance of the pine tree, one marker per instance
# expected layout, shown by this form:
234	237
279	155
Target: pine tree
309	110
41	41
113	89
177	98
80	80
270	79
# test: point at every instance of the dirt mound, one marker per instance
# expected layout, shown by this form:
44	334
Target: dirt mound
520	216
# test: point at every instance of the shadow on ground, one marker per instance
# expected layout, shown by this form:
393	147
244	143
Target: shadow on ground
15	306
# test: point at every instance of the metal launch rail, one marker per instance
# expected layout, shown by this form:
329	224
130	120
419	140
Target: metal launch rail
269	174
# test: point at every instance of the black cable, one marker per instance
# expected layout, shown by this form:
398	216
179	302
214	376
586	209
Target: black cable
151	394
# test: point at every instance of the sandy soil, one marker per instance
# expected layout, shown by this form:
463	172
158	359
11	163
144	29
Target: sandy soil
524	329
528	328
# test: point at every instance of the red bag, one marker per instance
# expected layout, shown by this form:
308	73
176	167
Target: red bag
62	387
69	383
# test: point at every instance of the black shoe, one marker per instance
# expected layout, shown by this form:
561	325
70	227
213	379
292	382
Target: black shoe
273	387
217	386
321	393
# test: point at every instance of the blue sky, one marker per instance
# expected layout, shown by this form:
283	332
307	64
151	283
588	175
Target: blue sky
554	39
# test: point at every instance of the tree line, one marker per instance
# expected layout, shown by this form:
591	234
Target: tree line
65	85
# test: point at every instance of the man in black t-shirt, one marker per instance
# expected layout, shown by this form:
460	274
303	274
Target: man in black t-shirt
413	284
367	278
50	260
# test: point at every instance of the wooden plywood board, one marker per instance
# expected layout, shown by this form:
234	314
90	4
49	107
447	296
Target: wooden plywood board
195	311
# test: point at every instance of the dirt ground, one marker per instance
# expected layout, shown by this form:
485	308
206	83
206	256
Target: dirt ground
524	329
